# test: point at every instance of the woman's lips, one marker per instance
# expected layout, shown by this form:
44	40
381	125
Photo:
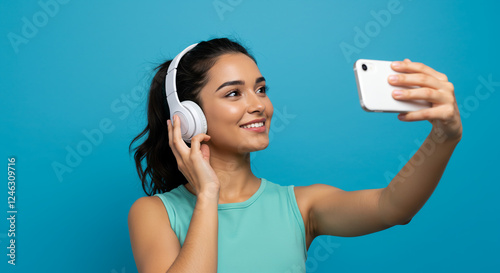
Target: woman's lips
260	129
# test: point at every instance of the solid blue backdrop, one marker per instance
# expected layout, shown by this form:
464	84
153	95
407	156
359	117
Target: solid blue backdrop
74	79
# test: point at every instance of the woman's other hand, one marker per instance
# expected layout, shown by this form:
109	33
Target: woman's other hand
194	162
435	88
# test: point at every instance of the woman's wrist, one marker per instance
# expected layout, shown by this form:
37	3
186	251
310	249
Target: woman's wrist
208	196
439	135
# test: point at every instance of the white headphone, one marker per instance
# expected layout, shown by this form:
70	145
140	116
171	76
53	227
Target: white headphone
193	120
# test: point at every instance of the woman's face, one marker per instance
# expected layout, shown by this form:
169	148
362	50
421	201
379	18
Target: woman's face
235	95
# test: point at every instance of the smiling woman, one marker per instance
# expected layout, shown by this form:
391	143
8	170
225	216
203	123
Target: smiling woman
210	213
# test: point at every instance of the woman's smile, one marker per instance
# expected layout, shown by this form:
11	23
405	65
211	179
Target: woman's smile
256	125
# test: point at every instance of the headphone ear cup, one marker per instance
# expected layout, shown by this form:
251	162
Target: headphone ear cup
200	122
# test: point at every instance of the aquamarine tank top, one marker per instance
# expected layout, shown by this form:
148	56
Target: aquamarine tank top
265	233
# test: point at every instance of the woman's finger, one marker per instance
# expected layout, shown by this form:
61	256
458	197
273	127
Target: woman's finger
442	112
415	79
196	142
424	93
413	67
177	140
170	140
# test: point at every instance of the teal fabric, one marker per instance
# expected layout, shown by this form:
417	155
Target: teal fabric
265	233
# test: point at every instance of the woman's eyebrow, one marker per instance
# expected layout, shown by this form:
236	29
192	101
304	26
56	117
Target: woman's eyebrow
239	82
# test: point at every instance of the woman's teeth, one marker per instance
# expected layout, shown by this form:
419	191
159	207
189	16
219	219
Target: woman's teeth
253	125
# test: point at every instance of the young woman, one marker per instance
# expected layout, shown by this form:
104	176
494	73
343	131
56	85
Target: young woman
210	213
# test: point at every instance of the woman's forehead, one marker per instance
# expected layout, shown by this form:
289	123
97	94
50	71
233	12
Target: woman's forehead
228	65
233	66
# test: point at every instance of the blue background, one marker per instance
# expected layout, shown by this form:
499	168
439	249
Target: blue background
86	67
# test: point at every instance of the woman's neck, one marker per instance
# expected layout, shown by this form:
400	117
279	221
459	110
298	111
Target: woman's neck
237	182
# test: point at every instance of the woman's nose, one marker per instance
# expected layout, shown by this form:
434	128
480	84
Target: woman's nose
255	103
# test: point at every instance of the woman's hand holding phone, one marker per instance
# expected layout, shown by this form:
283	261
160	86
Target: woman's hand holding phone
194	162
433	87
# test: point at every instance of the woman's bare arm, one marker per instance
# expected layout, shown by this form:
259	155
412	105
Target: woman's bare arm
199	252
155	246
336	212
416	181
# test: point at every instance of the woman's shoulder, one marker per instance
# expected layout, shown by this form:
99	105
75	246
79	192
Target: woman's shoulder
147	201
302	197
147	206
151	235
303	194
309	193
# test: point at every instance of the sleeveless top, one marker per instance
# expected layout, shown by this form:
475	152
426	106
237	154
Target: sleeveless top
265	233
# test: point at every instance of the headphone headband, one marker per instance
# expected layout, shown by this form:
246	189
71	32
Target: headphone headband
170	82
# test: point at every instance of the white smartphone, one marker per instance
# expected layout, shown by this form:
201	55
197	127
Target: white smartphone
375	92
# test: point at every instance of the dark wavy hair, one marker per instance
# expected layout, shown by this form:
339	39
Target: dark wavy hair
161	166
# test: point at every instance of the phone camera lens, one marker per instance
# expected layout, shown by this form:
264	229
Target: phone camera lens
364	67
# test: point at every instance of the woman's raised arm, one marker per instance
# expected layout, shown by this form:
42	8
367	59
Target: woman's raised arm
336	212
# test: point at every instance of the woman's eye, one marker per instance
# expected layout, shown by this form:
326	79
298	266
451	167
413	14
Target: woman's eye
232	92
264	89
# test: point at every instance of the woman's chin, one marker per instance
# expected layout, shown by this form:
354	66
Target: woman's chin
260	146
253	146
